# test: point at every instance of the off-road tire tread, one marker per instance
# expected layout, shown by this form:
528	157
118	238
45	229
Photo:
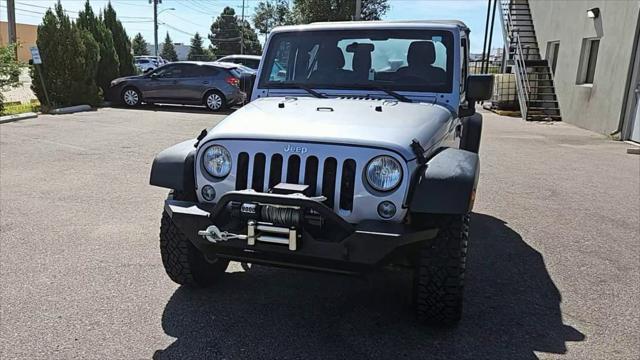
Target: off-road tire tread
182	261
439	276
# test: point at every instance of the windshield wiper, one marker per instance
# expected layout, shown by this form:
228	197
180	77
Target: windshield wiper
392	93
307	89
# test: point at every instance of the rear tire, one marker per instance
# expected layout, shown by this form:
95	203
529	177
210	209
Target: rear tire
183	262
439	274
215	101
131	97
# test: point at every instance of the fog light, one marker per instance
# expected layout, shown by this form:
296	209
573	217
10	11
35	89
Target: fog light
386	209
208	192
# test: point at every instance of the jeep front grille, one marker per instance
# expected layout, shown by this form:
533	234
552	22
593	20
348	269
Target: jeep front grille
325	177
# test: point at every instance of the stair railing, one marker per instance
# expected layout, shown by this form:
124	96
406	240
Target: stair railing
512	38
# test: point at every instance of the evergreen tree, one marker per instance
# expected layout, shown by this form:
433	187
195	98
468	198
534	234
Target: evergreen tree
197	52
69	61
168	50
121	41
139	45
108	65
251	43
226	33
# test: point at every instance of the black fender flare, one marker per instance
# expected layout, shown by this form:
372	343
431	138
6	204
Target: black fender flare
471	133
446	184
173	168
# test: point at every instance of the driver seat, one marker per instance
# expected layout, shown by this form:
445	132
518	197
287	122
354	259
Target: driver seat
330	67
420	59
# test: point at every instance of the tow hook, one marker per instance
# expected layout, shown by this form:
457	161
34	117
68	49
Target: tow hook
214	235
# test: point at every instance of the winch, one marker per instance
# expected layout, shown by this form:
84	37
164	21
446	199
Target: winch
276	224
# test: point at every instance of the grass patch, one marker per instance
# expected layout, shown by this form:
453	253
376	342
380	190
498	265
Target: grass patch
17	108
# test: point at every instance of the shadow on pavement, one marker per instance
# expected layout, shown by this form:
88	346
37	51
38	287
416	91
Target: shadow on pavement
512	308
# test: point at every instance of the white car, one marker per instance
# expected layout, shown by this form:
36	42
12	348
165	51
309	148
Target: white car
145	64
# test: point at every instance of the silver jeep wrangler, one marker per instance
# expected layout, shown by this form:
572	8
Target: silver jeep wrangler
359	150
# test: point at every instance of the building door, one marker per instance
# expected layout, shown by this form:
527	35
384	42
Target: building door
632	112
553	47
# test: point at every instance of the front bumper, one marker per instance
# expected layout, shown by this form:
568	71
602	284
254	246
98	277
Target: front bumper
363	247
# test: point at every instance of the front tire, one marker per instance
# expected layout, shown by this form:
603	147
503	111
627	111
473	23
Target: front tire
439	274
183	262
131	97
215	101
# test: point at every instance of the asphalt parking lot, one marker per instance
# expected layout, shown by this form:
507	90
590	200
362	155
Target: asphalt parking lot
553	271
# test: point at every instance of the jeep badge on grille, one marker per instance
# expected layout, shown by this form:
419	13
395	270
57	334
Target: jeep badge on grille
296	149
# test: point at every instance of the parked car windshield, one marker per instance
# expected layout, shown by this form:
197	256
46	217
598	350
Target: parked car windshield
411	60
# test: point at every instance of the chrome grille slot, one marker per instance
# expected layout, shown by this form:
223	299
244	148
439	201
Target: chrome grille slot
311	173
329	181
293	169
243	171
347	184
275	170
257	180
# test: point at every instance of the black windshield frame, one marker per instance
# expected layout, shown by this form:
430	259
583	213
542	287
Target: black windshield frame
304	37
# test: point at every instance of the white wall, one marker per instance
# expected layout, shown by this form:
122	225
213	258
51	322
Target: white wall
598	107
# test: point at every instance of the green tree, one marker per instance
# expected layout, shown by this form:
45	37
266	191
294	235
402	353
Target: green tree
108	64
270	14
338	10
69	61
251	45
139	45
9	71
168	50
226	32
121	41
196	51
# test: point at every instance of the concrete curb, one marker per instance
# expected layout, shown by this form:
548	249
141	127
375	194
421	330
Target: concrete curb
12	118
70	109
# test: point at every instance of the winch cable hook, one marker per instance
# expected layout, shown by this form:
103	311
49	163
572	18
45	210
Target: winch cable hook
214	235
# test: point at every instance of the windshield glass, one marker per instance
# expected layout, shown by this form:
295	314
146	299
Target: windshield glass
411	60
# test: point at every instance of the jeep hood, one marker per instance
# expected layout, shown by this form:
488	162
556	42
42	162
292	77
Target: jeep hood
387	124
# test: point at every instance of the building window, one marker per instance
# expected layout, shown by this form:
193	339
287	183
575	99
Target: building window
588	58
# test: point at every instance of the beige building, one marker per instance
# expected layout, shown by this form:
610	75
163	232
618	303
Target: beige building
27	35
592	48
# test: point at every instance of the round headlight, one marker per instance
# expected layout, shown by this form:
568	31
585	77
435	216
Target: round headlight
384	173
217	161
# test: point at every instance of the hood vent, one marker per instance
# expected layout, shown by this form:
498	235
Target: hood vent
358	98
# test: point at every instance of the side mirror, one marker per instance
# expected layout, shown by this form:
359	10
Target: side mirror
479	87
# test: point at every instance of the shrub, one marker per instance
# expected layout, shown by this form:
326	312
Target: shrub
9	70
69	61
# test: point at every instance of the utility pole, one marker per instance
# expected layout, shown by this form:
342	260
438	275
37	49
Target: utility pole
358	10
155	24
242	30
11	17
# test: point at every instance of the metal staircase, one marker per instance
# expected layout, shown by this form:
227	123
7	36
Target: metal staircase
534	79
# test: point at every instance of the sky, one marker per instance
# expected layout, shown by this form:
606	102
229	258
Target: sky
183	18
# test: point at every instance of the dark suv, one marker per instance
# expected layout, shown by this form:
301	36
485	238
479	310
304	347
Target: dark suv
215	86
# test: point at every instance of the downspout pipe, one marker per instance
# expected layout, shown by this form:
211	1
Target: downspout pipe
486	29
493	17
